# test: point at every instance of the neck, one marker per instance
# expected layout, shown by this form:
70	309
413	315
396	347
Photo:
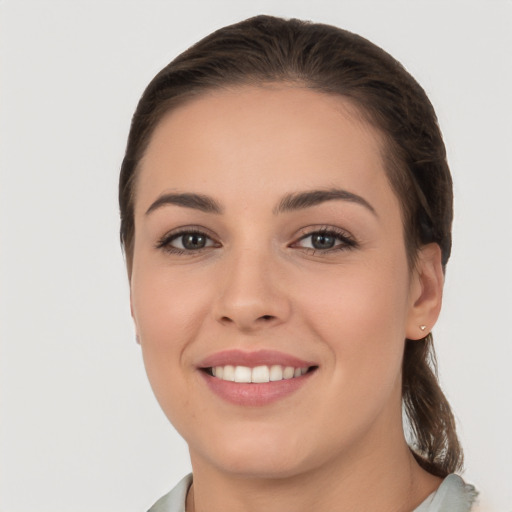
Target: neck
375	476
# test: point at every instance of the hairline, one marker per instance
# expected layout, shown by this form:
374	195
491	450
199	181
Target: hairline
392	164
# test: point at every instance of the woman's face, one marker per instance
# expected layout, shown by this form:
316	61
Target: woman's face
268	244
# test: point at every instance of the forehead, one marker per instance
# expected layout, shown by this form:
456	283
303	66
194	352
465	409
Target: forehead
255	139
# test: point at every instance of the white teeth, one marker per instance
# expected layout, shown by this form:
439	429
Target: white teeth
228	373
288	372
258	374
276	372
242	374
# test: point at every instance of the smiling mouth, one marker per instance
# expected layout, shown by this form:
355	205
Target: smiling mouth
258	374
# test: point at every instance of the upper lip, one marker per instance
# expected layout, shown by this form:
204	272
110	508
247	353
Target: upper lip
251	359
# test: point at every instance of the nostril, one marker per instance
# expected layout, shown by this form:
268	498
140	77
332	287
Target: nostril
248	322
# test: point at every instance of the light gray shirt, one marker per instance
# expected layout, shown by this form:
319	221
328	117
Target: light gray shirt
453	495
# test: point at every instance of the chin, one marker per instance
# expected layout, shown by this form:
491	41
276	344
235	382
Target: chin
262	467
250	456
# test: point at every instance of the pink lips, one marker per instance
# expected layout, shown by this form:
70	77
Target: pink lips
252	359
250	394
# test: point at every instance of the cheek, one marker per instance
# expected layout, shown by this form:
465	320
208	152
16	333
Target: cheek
167	309
162	308
360	314
359	318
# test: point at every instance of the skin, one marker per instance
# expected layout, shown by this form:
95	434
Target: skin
259	285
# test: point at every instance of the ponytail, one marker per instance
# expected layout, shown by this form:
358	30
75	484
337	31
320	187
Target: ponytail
432	425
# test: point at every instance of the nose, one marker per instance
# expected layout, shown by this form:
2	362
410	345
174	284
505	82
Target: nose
253	293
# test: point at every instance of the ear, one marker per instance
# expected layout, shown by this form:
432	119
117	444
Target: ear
426	292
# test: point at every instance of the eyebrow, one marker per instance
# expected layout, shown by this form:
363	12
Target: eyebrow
196	201
290	202
302	200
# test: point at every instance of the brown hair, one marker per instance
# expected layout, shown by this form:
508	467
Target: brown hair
330	60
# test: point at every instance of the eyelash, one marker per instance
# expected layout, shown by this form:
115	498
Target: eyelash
347	242
165	242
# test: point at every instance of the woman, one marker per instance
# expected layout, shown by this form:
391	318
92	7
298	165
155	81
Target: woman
286	209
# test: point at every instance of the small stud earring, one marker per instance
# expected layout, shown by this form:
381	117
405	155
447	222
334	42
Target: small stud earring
137	339
423	327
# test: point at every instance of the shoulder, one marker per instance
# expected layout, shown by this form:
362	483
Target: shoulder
453	495
174	501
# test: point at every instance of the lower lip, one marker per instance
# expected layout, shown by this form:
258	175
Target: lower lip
252	394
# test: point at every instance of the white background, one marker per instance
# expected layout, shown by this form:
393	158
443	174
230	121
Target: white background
79	428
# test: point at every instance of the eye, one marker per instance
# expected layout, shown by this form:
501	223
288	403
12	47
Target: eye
326	240
185	241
